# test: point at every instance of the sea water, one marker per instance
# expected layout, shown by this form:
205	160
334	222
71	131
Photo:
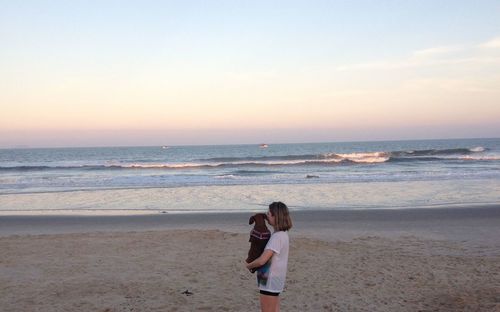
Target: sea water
181	179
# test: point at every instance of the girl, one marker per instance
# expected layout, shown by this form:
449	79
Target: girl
273	262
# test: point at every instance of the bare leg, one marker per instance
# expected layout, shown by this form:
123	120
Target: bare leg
269	303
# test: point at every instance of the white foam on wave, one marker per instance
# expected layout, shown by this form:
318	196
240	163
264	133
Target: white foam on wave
477	149
485	157
173	166
375	157
371	157
226	176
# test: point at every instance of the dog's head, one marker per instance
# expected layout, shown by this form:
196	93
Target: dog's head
259	219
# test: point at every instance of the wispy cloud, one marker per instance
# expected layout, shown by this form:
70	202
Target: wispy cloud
493	43
437	51
436	56
388	65
451	85
414	63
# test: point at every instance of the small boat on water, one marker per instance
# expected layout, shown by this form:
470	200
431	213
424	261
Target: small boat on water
165	147
263	146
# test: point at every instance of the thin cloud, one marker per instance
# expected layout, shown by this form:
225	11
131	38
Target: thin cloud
453	84
437	56
431	52
378	66
493	43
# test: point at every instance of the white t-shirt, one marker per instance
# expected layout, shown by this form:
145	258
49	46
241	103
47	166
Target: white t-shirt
271	276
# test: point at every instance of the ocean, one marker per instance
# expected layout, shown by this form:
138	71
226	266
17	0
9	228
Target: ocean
191	179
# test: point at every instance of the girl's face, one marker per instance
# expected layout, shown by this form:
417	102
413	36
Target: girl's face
270	218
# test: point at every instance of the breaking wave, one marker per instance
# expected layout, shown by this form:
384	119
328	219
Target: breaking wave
291	160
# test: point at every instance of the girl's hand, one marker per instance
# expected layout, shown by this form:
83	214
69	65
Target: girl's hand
246	264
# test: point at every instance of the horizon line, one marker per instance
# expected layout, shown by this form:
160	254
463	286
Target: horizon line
233	144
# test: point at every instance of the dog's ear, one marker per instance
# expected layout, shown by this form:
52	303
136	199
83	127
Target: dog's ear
265	216
252	220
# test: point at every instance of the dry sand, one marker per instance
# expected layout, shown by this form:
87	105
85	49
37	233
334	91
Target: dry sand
150	270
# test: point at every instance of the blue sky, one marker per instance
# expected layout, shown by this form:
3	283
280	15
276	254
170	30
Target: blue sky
337	70
336	32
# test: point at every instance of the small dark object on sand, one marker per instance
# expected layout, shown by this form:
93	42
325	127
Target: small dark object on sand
187	292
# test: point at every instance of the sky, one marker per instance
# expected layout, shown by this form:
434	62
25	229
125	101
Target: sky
114	73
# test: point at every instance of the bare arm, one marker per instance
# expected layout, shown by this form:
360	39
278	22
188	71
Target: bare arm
260	261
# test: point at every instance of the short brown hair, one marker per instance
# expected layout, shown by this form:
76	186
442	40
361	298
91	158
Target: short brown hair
283	221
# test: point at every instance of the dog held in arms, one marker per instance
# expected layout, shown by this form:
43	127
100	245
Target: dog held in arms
259	236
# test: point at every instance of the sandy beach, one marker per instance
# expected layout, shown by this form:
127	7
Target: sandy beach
385	260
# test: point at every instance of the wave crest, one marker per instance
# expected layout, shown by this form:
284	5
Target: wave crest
475	153
477	149
376	157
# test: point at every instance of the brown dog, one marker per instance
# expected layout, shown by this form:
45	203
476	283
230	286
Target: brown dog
259	237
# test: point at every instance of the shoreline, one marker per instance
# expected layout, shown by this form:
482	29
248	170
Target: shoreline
85	212
200	199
